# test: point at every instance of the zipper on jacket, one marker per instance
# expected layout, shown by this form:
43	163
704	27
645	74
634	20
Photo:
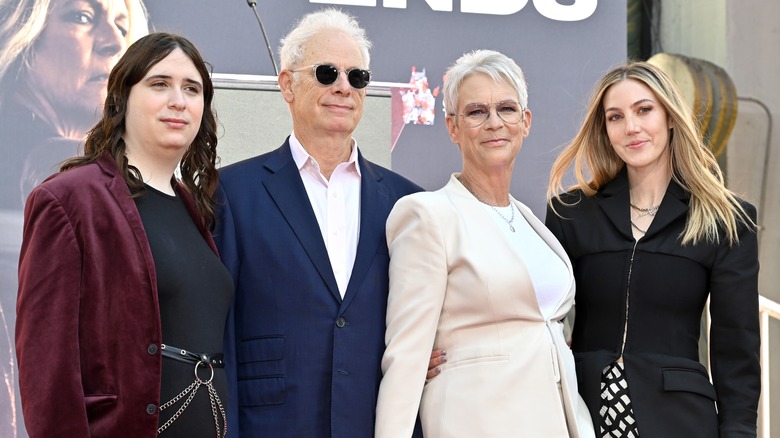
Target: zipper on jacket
628	296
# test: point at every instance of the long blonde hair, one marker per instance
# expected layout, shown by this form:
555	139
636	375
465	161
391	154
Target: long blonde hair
713	207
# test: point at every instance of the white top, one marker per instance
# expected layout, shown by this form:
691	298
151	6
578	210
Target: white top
336	204
548	272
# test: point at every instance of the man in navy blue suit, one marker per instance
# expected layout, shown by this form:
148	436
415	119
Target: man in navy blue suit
302	230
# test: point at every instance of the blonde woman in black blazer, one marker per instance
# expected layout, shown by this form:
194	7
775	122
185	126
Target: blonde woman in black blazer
652	233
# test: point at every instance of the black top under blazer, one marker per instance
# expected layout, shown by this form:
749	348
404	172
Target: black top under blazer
664	285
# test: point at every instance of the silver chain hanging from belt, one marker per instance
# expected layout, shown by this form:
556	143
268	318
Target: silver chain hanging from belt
217	410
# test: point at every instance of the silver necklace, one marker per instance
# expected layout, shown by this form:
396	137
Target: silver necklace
637	228
509	221
649	211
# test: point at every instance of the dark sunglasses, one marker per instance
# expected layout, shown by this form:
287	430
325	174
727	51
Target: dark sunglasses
327	74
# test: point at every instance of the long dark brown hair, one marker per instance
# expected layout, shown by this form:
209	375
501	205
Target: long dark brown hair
198	166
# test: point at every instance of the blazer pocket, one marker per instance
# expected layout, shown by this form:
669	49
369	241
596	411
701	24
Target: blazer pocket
262	391
681	379
261	349
474	360
261	371
99	405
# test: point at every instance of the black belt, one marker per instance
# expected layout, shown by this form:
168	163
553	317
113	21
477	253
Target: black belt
182	355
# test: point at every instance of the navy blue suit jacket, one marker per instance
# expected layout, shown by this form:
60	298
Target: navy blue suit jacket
301	361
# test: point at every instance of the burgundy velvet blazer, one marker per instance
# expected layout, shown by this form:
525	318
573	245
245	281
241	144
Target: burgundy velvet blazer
88	323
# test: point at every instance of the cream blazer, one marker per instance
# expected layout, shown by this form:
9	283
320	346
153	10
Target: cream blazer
455	283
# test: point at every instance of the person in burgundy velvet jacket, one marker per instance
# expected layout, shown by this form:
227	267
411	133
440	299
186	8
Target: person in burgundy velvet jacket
89	327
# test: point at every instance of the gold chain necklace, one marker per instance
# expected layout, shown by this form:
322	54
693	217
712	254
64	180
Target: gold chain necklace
649	211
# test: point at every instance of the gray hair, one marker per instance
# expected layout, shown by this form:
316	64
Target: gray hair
496	65
293	44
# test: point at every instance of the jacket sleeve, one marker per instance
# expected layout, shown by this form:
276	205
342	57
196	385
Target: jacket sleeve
47	324
734	334
225	239
418	281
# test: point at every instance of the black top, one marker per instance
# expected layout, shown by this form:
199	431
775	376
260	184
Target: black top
194	291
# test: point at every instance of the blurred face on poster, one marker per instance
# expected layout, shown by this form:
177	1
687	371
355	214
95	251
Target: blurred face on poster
55	58
68	70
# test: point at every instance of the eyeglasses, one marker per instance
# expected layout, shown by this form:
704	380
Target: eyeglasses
327	74
475	114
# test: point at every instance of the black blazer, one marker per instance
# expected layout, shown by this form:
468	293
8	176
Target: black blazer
662	287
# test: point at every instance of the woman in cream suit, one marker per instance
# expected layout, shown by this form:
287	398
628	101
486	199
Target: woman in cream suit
472	269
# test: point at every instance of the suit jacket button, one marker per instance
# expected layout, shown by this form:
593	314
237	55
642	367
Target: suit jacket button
151	409
152	349
341	322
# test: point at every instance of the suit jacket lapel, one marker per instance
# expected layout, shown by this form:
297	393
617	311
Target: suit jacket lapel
615	200
286	188
118	188
616	209
674	205
374	208
546	235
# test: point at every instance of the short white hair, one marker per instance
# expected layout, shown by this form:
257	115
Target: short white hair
293	44
495	65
